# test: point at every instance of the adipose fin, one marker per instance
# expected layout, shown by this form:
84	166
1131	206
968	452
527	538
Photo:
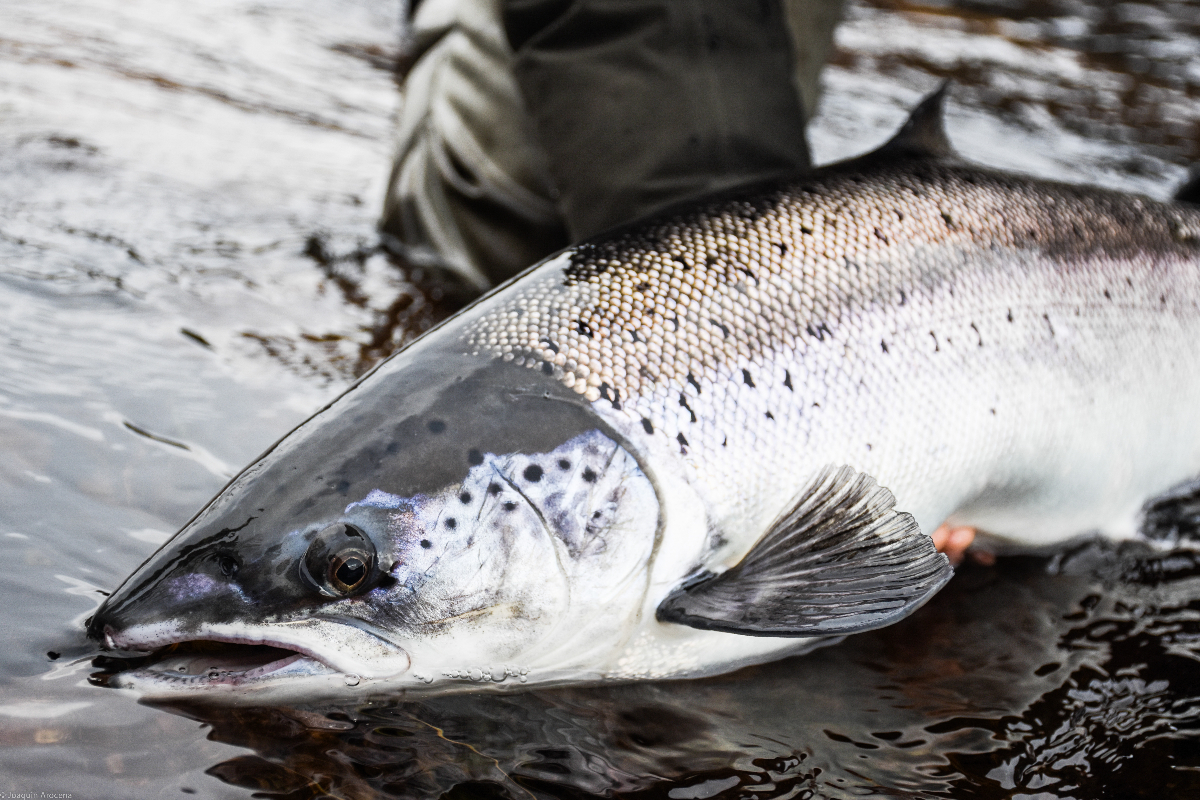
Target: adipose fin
1190	191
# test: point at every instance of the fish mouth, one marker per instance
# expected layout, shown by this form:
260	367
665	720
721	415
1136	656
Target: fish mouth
162	661
211	663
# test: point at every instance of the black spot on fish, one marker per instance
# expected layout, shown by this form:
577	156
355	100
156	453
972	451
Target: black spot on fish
770	415
725	441
1107	295
681	262
787	380
806	230
615	397
342	487
903	296
392	448
683	402
589	475
426	544
583	328
746	379
675	322
647	425
547	368
782	248
899	214
451	523
644	286
881	236
1010	316
510	506
883	345
868	445
683	443
692	380
819	332
724	330
993	411
464	498
977	333
936	347
493	489
551	346
564	464
949	220
596	514
436	426
533	473
645	373
1049	324
474	458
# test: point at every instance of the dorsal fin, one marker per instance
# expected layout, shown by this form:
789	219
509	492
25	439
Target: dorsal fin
842	560
1190	191
924	134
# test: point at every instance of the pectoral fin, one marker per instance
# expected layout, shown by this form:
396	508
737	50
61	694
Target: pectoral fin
842	560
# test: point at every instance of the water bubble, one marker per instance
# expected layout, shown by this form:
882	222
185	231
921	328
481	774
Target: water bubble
352	680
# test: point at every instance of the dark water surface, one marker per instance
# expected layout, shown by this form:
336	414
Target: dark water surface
189	268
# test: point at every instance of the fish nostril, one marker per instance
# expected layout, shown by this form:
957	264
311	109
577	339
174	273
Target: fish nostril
228	565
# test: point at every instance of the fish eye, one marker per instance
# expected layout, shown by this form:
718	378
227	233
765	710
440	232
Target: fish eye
339	561
347	571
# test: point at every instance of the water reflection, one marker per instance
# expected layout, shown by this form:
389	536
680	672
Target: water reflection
1085	686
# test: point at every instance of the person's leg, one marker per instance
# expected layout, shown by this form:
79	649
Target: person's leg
469	189
641	103
811	24
608	110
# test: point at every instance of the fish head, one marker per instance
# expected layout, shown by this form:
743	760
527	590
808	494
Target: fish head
479	531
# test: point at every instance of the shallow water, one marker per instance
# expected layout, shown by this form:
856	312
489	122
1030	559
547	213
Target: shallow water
187	202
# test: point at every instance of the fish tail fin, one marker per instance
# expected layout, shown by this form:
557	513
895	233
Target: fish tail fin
1174	516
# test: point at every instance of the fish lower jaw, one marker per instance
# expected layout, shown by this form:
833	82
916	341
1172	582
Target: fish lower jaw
202	672
223	664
